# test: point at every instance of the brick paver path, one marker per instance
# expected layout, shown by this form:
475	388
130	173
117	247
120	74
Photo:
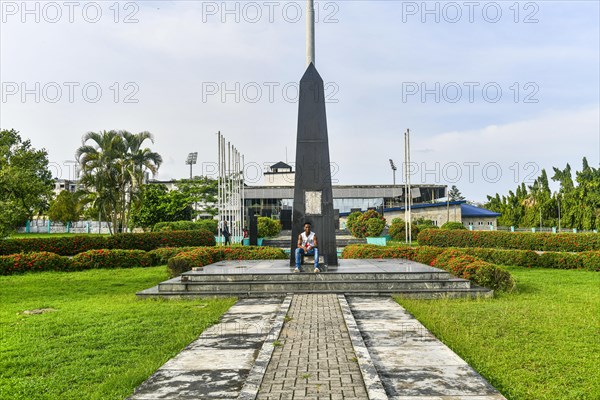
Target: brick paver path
315	359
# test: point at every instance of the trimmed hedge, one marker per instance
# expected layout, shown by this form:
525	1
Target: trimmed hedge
71	245
511	240
197	258
178	258
454	261
208	224
110	259
588	260
33	262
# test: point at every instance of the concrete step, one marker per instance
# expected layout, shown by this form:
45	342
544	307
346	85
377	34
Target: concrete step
267	278
473	292
309	277
318	285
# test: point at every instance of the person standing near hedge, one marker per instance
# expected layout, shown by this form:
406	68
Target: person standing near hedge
225	232
307	244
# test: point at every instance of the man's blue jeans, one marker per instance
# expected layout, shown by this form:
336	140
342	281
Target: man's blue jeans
300	253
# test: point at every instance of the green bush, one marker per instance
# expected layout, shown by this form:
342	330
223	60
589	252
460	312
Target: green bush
362	226
268	227
490	276
422	227
397	230
71	245
570	242
208	224
33	262
450	225
110	259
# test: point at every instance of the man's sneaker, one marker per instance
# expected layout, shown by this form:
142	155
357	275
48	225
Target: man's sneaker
317	270
296	270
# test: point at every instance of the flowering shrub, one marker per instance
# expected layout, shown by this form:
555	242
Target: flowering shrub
511	240
162	255
32	262
109	259
190	259
458	265
202	256
71	245
370	223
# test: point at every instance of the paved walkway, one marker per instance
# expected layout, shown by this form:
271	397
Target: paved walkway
317	346
315	359
411	362
217	364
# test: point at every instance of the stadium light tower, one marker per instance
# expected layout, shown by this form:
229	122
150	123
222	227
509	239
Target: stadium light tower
191	160
394	169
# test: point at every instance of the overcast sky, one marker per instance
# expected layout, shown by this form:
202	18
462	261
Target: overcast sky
492	91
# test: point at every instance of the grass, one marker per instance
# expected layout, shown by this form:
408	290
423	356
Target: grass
541	342
101	342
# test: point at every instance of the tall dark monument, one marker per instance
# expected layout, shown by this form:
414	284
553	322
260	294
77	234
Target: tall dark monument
313	195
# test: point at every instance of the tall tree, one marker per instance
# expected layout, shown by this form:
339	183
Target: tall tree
25	181
577	202
454	194
65	208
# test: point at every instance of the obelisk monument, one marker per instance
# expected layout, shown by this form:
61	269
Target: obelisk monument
313	195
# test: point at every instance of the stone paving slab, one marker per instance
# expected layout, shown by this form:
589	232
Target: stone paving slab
412	364
217	364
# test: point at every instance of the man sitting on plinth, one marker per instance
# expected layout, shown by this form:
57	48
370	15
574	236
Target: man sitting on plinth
307	244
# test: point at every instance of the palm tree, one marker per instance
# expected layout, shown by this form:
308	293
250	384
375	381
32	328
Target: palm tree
138	161
112	167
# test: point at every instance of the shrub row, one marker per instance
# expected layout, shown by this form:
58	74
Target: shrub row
454	261
589	260
71	245
188	257
208	224
511	240
200	257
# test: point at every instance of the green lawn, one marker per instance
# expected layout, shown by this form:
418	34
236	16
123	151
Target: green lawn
101	342
541	342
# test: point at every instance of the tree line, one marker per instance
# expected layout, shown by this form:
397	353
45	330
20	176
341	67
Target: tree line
576	204
114	166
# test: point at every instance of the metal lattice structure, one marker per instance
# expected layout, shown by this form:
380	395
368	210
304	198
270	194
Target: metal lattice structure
230	195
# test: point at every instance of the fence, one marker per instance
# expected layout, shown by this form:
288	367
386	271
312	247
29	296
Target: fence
543	229
79	227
